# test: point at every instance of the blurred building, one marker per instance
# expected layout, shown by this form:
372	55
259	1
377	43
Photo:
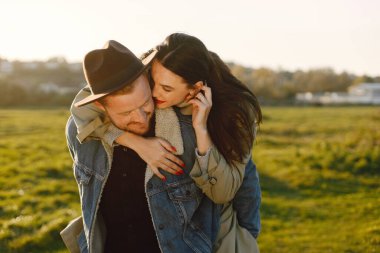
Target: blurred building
364	93
54	88
6	66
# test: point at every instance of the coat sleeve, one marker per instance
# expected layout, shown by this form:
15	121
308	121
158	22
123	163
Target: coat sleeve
91	121
217	179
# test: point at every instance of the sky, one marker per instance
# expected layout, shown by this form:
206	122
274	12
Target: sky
293	34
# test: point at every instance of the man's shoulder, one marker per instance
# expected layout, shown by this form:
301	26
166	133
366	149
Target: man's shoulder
71	133
71	130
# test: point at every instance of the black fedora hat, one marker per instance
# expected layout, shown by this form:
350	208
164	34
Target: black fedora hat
111	68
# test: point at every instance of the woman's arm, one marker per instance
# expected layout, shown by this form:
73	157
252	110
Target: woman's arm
90	120
218	180
155	151
92	123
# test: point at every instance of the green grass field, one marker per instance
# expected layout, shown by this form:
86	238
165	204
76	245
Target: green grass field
319	170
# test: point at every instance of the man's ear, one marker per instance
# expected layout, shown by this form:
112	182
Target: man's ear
99	105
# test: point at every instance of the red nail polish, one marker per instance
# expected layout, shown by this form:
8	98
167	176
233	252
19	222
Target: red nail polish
163	179
174	149
180	172
183	165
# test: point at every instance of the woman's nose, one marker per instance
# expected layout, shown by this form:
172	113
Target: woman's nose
155	91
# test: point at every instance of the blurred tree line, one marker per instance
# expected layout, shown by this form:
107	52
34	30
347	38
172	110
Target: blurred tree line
40	83
55	82
281	86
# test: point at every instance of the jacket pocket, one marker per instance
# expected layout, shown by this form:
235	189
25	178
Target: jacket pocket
186	191
82	173
186	197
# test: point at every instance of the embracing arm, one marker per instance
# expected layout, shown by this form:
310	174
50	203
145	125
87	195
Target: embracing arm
155	151
92	123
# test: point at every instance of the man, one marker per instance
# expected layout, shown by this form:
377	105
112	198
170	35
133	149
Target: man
116	214
119	85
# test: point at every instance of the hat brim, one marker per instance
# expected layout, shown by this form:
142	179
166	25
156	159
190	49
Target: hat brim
150	57
93	97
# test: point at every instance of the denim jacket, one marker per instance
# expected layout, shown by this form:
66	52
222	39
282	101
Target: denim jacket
178	207
185	220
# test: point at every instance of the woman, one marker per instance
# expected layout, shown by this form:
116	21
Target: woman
224	115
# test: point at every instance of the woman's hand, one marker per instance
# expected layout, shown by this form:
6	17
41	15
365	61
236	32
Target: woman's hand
155	151
202	104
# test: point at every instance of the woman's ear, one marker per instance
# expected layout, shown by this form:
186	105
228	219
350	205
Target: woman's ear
198	85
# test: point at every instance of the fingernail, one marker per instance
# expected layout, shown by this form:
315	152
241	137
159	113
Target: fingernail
180	172
174	149
183	165
163	179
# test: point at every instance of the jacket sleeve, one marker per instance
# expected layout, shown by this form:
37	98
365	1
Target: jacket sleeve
217	179
247	200
91	121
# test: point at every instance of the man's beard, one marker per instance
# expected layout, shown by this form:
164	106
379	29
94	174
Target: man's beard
128	129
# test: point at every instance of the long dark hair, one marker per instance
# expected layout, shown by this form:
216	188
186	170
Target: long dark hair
235	112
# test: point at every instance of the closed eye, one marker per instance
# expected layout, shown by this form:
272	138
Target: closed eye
166	88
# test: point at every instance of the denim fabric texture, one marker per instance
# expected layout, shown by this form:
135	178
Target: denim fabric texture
185	220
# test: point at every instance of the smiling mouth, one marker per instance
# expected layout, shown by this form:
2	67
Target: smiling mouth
158	101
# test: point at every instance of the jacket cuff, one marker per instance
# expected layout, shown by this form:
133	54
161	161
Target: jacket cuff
112	134
201	174
86	131
202	161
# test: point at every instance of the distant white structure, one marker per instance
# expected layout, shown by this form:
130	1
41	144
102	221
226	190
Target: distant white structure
365	93
30	65
75	66
6	66
52	65
55	88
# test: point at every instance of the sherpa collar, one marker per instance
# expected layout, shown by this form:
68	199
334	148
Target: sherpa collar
168	128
